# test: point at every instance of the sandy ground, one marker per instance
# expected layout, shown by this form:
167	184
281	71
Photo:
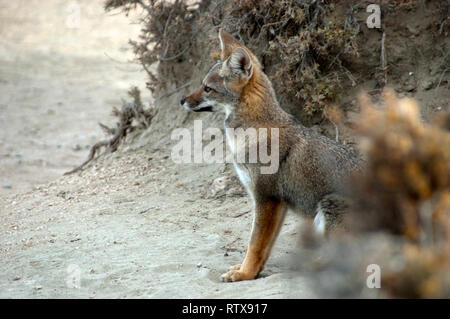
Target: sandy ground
132	225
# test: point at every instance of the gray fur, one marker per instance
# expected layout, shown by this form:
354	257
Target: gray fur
312	166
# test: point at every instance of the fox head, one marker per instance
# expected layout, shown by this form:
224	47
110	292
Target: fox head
222	86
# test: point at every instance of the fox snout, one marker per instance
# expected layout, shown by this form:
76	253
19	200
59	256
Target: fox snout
196	102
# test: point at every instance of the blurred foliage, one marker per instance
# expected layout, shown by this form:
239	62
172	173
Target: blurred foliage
400	212
408	162
405	191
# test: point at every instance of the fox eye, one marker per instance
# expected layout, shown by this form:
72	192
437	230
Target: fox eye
207	89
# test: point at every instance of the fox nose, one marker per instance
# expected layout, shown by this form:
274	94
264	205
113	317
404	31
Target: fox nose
182	101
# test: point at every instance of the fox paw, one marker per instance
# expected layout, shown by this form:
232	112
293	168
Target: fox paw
235	274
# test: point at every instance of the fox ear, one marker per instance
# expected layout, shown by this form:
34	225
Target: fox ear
227	44
241	63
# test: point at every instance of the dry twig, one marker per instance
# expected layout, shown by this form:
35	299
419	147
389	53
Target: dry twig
129	112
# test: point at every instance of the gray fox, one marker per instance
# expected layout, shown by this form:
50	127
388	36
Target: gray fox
312	168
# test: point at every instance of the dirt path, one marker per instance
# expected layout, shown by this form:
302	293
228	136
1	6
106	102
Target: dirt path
132	225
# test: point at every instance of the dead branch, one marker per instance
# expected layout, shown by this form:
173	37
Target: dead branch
127	114
173	91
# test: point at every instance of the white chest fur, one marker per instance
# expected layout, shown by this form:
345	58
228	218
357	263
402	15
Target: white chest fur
240	169
243	175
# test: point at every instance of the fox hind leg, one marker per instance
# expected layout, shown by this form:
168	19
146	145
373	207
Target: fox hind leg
330	213
269	216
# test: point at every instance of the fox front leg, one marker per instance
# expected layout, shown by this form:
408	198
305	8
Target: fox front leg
269	216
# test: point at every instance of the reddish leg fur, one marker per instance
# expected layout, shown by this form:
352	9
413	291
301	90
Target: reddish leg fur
269	216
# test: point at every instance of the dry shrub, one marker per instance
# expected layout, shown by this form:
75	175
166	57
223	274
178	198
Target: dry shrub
167	34
302	46
405	190
441	22
301	49
308	48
